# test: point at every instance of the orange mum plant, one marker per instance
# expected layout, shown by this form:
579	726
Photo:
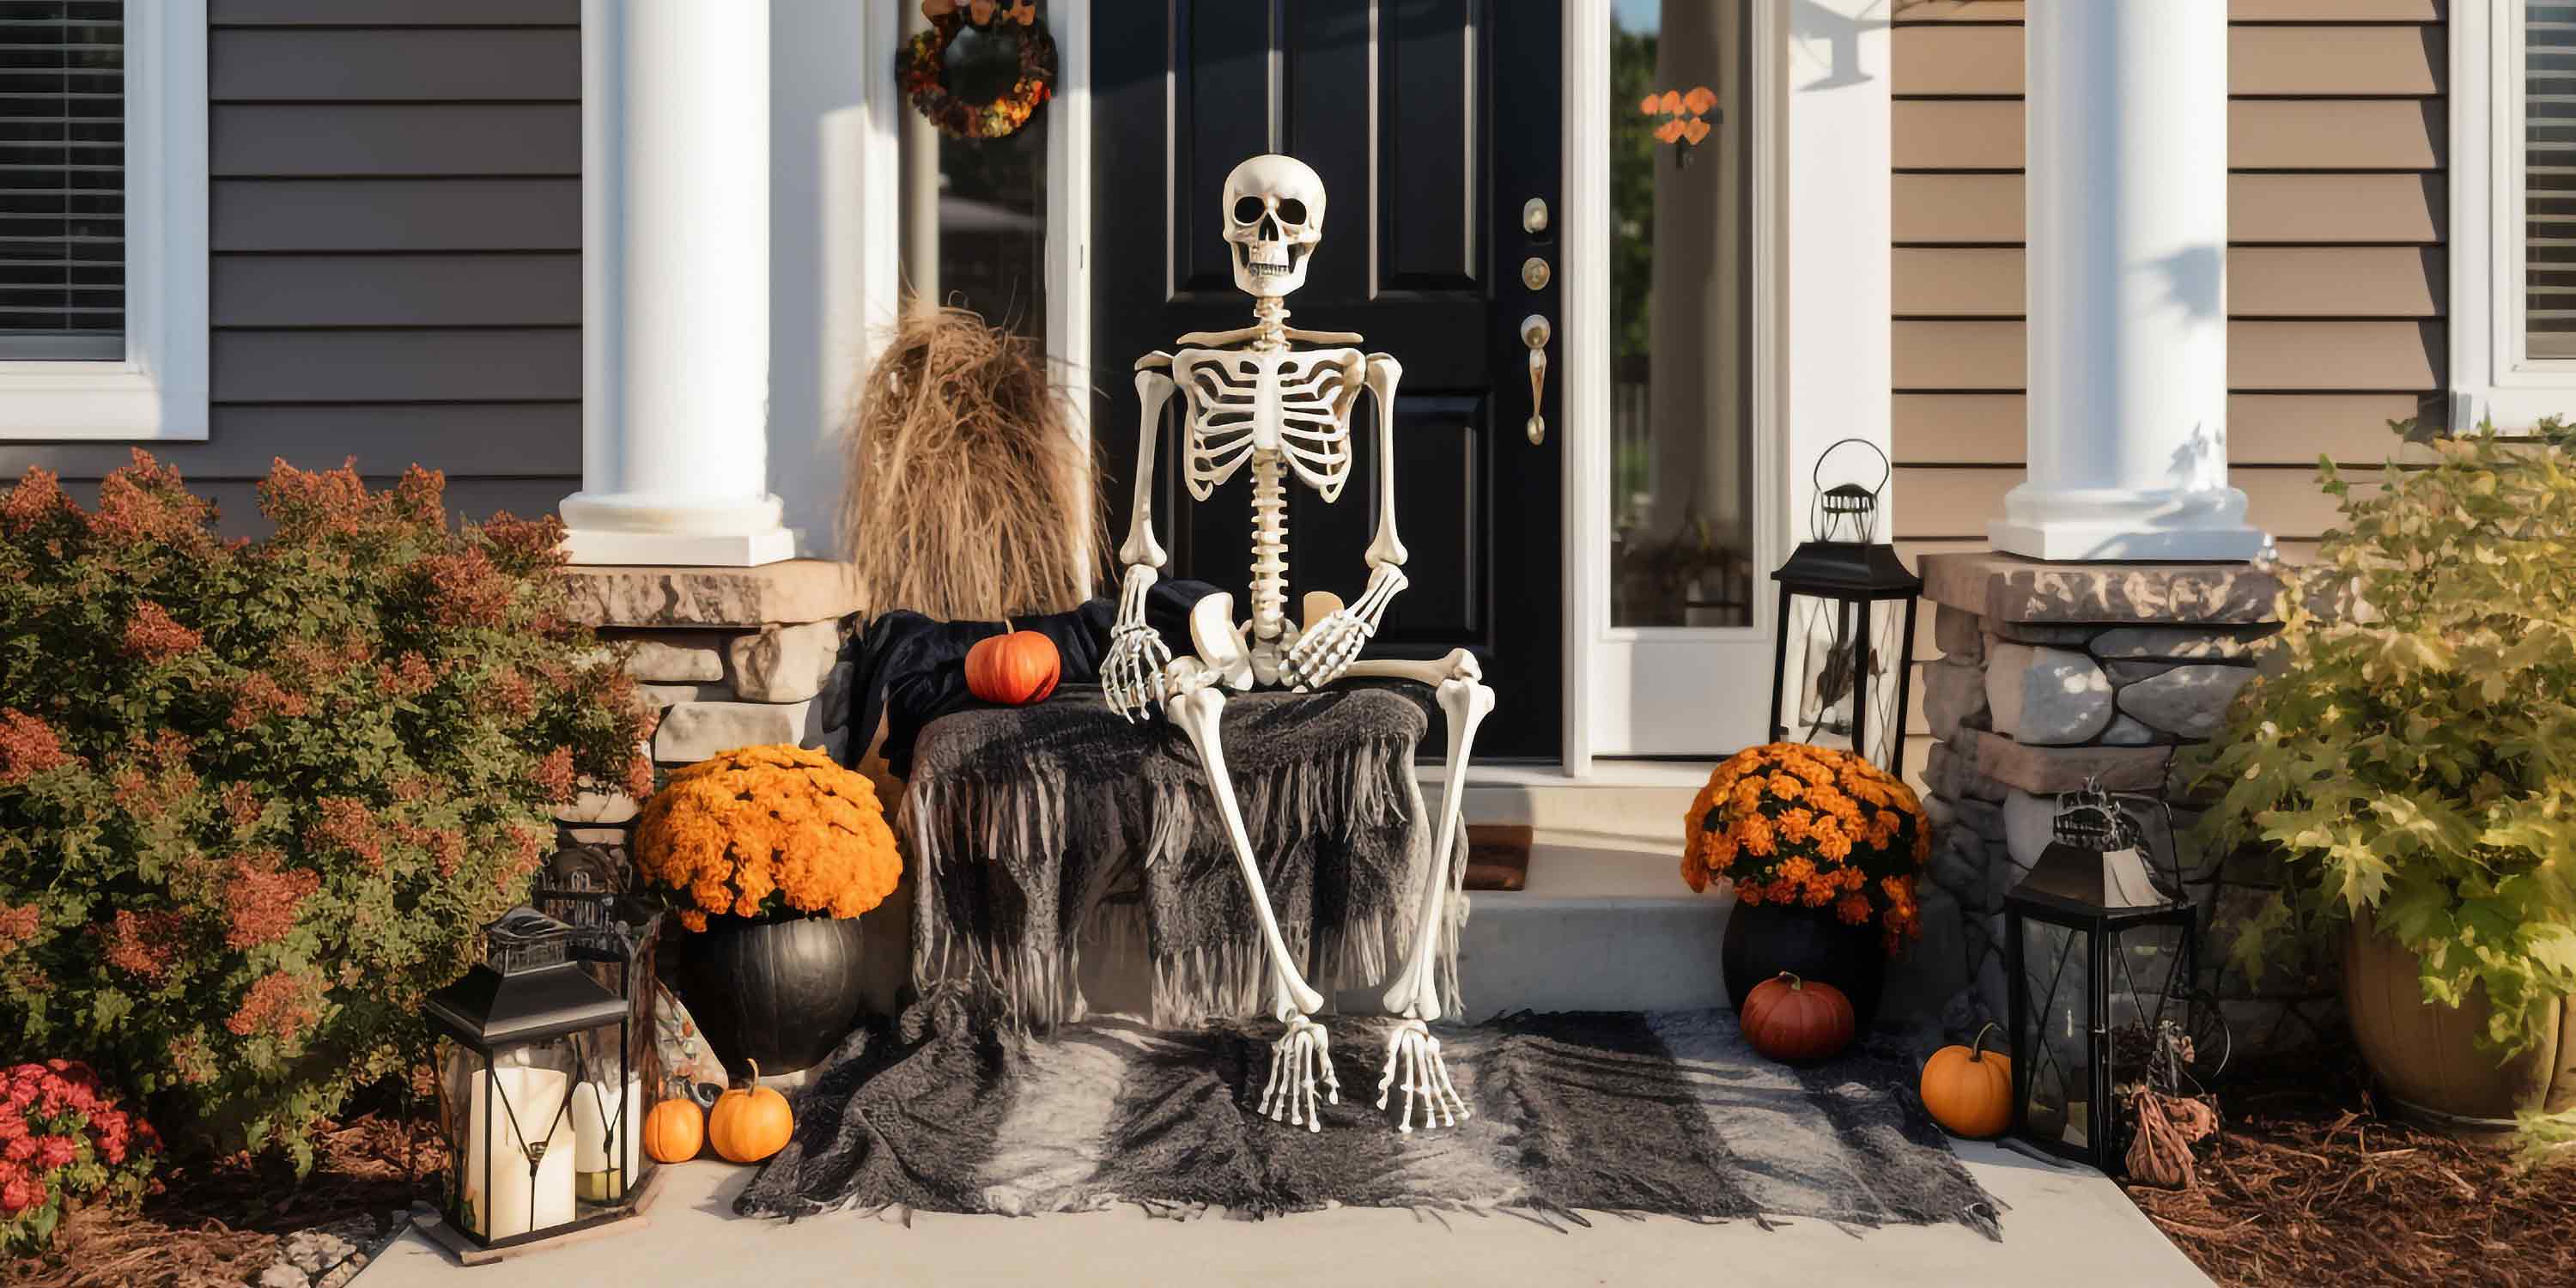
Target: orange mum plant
1794	824
767	832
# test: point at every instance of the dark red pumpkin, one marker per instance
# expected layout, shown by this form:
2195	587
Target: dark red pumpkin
1793	1019
1014	669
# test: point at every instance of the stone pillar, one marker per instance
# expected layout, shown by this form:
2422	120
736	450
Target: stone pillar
2050	674
2127	158
675	287
728	657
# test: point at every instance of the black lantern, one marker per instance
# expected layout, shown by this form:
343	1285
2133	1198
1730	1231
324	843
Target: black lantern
1840	594
2100	968
539	1097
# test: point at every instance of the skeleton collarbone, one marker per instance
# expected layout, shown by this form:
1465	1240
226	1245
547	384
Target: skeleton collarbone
1270	401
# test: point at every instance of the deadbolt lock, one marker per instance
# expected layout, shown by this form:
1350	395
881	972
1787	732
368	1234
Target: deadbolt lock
1534	215
1534	273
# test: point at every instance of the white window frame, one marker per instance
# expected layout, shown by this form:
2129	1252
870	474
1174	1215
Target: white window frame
2492	376
158	391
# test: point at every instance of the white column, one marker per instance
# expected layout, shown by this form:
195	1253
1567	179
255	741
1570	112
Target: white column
675	269
2127	122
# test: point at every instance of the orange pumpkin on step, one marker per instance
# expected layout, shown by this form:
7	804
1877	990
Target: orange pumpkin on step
750	1123
674	1130
1014	669
1793	1019
1968	1089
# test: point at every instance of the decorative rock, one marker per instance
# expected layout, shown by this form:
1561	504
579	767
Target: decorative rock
695	731
2190	700
1957	634
2011	589
2180	643
2126	732
2130	672
599	807
2004	666
2064	698
2029	825
281	1275
2052	770
784	663
1958	866
2054	636
797	590
675	658
1953	693
661	697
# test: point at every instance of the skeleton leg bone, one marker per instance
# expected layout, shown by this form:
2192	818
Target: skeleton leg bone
1301	1060
1412	1054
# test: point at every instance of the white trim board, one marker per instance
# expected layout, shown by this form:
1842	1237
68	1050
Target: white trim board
2491	376
159	390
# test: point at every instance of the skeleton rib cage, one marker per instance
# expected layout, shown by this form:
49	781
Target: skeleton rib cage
1303	397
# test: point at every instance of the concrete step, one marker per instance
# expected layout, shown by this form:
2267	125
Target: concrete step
1603	925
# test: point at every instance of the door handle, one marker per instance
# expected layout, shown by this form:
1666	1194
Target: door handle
1534	333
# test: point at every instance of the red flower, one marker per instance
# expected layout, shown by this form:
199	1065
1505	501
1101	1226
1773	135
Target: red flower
348	826
28	746
20	1193
39	496
554	776
279	1004
18	924
260	901
144	943
55	1151
260	696
467	589
156	637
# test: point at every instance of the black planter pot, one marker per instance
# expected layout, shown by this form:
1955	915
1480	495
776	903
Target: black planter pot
783	993
1765	939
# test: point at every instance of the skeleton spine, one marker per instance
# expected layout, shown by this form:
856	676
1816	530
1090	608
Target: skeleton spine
1269	545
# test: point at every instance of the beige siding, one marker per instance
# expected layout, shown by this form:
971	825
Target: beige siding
2337	275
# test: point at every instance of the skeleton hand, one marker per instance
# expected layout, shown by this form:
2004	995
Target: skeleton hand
1412	1052
1299	1055
1328	648
1131	676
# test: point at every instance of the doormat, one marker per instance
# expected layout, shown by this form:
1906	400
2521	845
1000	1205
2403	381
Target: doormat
1622	1113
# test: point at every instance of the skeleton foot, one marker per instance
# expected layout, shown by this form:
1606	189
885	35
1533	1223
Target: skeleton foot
1413	1056
1300	1056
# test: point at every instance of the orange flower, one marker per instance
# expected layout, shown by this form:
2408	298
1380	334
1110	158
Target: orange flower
1787	787
767	831
1854	910
1795	824
1754	832
1748	894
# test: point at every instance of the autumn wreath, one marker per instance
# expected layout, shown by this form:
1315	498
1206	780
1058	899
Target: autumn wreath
923	66
771	831
1794	824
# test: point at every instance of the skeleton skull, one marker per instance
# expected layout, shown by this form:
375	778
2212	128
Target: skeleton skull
1274	215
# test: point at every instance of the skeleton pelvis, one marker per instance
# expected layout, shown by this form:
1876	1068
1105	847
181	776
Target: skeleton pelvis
1228	648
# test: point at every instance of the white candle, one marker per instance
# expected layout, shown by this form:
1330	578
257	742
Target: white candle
530	1114
605	1175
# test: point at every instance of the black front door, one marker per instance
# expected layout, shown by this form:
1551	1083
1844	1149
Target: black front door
1432	124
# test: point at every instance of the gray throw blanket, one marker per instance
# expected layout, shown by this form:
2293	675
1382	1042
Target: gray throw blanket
1037	830
1667	1113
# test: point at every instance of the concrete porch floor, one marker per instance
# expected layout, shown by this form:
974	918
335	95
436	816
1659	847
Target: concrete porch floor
2059	1221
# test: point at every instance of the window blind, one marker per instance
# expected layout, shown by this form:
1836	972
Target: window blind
62	179
2549	179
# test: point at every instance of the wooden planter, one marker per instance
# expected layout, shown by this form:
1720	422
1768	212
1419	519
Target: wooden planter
2426	1057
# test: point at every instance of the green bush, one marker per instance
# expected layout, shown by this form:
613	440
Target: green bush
2412	749
256	798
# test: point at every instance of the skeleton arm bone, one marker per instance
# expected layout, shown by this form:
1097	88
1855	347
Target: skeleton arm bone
1330	646
1131	676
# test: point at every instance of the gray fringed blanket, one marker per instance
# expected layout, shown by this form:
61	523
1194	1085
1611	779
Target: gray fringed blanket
1665	1113
1038	830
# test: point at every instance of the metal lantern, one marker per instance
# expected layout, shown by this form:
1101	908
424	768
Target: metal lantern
1842	662
2100	985
539	1098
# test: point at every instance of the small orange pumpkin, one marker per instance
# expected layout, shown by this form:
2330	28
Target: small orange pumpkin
1788	1018
1968	1089
1014	669
674	1130
750	1123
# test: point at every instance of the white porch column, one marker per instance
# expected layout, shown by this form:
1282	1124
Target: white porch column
675	269
2127	125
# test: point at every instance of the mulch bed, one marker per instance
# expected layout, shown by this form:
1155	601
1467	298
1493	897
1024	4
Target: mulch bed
2308	1184
220	1222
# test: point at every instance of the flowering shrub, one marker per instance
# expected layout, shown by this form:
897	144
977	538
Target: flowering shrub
1794	824
256	797
764	832
62	1137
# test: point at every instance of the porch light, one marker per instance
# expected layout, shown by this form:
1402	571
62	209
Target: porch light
538	1096
2100	987
1845	681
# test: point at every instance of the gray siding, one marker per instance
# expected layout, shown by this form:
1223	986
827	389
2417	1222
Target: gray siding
396	273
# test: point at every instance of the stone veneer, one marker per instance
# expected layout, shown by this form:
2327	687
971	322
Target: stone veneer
2050	674
728	657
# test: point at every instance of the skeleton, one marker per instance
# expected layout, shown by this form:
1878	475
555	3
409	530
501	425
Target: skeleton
1279	399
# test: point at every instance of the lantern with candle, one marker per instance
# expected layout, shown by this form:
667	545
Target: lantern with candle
1844	652
537	1098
